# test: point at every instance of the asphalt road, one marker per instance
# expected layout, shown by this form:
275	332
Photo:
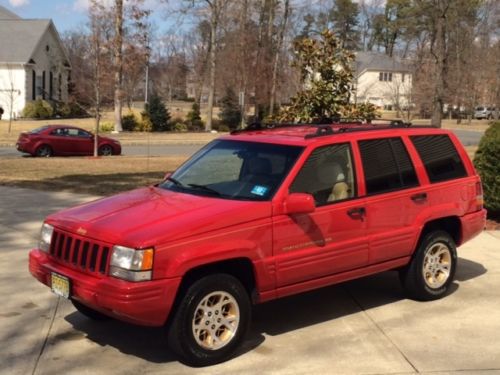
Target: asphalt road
468	138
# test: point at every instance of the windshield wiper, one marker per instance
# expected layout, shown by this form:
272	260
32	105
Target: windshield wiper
205	188
176	182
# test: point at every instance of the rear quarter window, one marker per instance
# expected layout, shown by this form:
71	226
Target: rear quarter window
440	157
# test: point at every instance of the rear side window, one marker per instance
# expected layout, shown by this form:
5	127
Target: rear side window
387	165
440	157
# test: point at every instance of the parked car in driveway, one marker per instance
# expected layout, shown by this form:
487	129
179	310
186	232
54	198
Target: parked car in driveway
59	140
262	214
486	113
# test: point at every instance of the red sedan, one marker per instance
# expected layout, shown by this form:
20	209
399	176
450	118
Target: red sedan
61	140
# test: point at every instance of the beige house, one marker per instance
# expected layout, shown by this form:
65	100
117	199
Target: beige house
33	63
383	81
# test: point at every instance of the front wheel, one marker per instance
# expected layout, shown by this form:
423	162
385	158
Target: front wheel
211	320
105	150
432	269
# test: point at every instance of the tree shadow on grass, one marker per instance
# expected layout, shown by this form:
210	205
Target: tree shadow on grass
97	184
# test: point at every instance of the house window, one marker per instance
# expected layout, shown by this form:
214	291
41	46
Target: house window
43	85
385	77
33	85
51	85
39	86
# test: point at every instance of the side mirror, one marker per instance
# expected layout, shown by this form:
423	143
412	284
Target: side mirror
299	203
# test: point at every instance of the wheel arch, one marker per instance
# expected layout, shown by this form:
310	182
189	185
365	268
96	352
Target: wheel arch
450	224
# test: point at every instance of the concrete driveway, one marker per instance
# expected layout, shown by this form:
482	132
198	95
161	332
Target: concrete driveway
365	326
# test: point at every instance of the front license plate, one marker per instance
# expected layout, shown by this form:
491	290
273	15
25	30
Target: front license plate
60	285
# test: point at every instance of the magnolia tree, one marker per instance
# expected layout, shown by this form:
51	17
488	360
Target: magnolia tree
326	73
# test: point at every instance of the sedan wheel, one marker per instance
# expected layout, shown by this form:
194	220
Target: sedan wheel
105	150
44	151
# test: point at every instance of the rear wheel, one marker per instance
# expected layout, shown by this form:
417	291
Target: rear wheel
211	320
44	151
105	150
432	269
89	312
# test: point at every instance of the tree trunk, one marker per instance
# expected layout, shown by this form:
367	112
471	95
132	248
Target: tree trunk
118	45
276	58
213	44
440	56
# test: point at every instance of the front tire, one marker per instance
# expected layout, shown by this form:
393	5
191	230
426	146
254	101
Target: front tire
105	150
432	268
210	321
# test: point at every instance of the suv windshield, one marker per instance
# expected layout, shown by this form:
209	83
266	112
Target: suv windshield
235	170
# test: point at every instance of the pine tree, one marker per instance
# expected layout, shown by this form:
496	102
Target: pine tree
158	114
230	113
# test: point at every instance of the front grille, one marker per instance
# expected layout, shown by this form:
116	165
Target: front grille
79	252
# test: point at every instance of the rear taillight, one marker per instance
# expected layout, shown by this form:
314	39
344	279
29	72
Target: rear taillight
479	196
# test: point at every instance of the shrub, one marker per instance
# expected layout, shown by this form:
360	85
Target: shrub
70	109
39	109
145	124
180	127
487	163
194	115
158	114
230	109
129	122
195	126
106	126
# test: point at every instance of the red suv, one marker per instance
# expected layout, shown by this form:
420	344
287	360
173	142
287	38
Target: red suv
262	214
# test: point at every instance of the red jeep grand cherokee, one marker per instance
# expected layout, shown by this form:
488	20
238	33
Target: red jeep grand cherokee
263	214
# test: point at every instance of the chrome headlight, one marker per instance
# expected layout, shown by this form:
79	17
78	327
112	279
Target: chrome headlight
131	264
45	237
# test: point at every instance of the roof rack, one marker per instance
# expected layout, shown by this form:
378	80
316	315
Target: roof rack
324	122
326	130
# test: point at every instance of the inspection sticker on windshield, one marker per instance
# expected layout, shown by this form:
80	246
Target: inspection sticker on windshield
259	190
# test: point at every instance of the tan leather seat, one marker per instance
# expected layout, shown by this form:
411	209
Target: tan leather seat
330	173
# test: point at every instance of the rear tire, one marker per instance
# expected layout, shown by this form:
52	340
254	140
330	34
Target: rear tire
89	312
432	268
210	321
44	151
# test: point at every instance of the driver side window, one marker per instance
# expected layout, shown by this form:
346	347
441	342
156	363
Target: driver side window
328	175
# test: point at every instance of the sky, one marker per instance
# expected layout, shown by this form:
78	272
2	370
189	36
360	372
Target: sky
66	14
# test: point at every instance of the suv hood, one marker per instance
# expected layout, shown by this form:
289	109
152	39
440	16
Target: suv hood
148	216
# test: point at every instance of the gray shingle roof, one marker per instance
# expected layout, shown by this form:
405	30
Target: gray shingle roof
20	38
379	62
6	14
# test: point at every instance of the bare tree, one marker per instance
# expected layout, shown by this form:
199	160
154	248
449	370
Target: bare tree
10	94
118	57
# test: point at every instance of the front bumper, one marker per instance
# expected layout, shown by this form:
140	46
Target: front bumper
145	303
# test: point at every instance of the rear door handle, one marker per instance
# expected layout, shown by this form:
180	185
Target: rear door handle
357	212
419	197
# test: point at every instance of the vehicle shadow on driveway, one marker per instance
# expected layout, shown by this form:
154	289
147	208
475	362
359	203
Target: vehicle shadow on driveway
271	318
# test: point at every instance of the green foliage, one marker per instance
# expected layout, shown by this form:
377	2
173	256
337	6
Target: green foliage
326	74
194	114
158	114
180	127
129	122
230	109
145	125
70	110
344	16
106	126
487	163
39	109
365	111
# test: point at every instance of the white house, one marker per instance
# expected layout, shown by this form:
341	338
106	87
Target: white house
383	81
33	63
